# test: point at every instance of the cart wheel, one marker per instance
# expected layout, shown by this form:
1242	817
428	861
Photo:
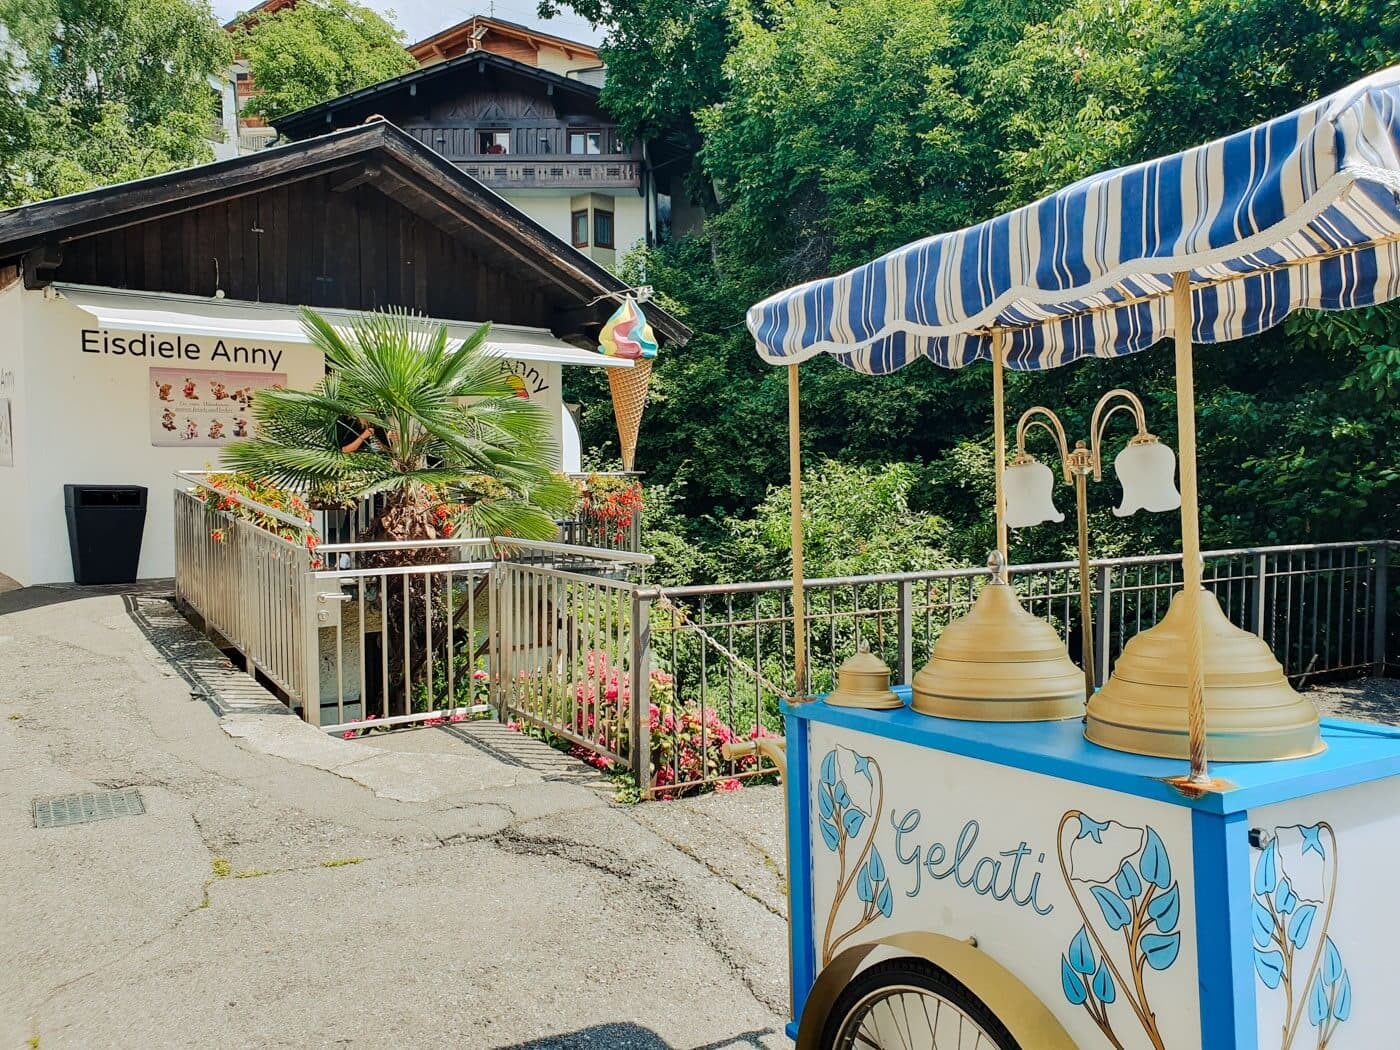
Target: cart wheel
910	1004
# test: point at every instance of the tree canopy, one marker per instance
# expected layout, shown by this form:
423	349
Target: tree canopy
317	50
835	132
84	103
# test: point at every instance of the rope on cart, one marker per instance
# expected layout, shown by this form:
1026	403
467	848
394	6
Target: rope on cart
682	620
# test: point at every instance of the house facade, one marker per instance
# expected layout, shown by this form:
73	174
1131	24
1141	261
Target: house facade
496	36
138	321
540	139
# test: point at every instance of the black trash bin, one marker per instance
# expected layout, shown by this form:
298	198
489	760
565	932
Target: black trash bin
105	523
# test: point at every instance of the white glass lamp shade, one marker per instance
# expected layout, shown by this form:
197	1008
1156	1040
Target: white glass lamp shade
1028	487
1147	472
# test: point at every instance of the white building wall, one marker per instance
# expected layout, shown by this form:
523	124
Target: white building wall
87	420
226	145
553	211
14	476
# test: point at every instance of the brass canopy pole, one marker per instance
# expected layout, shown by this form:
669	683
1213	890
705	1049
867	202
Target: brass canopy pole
1086	611
999	436
799	604
1190	527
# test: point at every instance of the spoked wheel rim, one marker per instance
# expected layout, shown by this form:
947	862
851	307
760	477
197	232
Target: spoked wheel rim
907	1017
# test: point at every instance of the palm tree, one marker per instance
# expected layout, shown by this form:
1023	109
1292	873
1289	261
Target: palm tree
404	416
439	437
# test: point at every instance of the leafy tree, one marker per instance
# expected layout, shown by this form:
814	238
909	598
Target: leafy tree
317	50
83	102
857	520
665	61
841	131
432	427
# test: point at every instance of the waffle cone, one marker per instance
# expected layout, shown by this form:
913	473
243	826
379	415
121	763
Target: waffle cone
629	398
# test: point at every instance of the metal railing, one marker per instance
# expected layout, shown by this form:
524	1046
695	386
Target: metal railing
570	662
351	524
400	644
571	640
1323	609
247	585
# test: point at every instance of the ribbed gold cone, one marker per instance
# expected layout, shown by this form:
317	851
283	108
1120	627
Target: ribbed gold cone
999	664
1252	713
864	681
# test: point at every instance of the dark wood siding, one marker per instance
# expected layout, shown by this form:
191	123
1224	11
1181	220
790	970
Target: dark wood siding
307	243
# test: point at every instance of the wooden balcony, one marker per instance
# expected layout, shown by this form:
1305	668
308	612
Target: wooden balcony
533	170
574	173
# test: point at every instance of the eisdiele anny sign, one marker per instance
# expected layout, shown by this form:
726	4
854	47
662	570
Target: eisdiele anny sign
160	346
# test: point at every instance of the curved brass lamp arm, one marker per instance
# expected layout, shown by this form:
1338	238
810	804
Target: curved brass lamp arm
1099	421
1054	428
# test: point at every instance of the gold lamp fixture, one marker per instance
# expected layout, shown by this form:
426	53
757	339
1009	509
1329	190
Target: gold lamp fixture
1252	713
998	663
864	681
1146	469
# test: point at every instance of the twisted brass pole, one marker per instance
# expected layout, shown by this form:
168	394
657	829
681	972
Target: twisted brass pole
1190	528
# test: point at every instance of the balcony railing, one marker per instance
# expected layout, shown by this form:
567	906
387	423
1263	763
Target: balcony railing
526	167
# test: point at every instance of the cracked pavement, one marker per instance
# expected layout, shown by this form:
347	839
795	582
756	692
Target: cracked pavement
263	901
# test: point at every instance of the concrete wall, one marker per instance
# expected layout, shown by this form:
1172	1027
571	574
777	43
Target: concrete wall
86	419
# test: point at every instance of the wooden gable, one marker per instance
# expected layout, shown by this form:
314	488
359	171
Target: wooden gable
311	243
359	219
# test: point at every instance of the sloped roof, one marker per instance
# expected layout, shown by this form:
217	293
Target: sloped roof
447	37
377	153
307	121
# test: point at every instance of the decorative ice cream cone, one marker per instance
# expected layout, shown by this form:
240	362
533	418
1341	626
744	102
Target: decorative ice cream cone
629	398
628	335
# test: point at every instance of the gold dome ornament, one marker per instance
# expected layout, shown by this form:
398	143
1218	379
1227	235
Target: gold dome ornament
998	663
1252	713
864	681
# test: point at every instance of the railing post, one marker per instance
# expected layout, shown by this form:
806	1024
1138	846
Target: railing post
311	650
1261	575
906	632
639	668
1382	589
502	614
1103	626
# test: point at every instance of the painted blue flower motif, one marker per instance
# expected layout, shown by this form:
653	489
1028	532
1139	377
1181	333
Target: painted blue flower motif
1295	878
849	792
1127	874
840	817
1091	828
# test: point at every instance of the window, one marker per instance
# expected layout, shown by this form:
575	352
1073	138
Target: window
493	141
579	225
586	143
602	228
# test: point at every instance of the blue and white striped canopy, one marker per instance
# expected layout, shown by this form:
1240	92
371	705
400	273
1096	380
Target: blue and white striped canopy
1088	270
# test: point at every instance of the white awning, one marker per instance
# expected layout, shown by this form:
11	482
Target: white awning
166	313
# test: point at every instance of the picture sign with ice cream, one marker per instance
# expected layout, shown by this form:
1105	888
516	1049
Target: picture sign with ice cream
195	408
628	335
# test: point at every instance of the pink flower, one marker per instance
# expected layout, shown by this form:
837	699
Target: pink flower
728	785
349	734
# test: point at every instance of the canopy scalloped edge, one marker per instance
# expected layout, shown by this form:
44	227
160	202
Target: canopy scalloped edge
1097	288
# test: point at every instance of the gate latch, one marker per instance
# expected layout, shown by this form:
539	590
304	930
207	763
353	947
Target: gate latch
328	605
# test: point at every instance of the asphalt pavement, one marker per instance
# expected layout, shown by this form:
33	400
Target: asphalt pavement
286	889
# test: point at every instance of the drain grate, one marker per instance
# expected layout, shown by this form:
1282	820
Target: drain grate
62	810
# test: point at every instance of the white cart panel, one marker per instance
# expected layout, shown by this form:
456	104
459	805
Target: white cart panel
1085	894
1325	910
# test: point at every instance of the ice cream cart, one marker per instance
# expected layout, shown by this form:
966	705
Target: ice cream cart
1006	855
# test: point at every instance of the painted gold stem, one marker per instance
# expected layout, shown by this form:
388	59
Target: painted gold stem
1089	928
